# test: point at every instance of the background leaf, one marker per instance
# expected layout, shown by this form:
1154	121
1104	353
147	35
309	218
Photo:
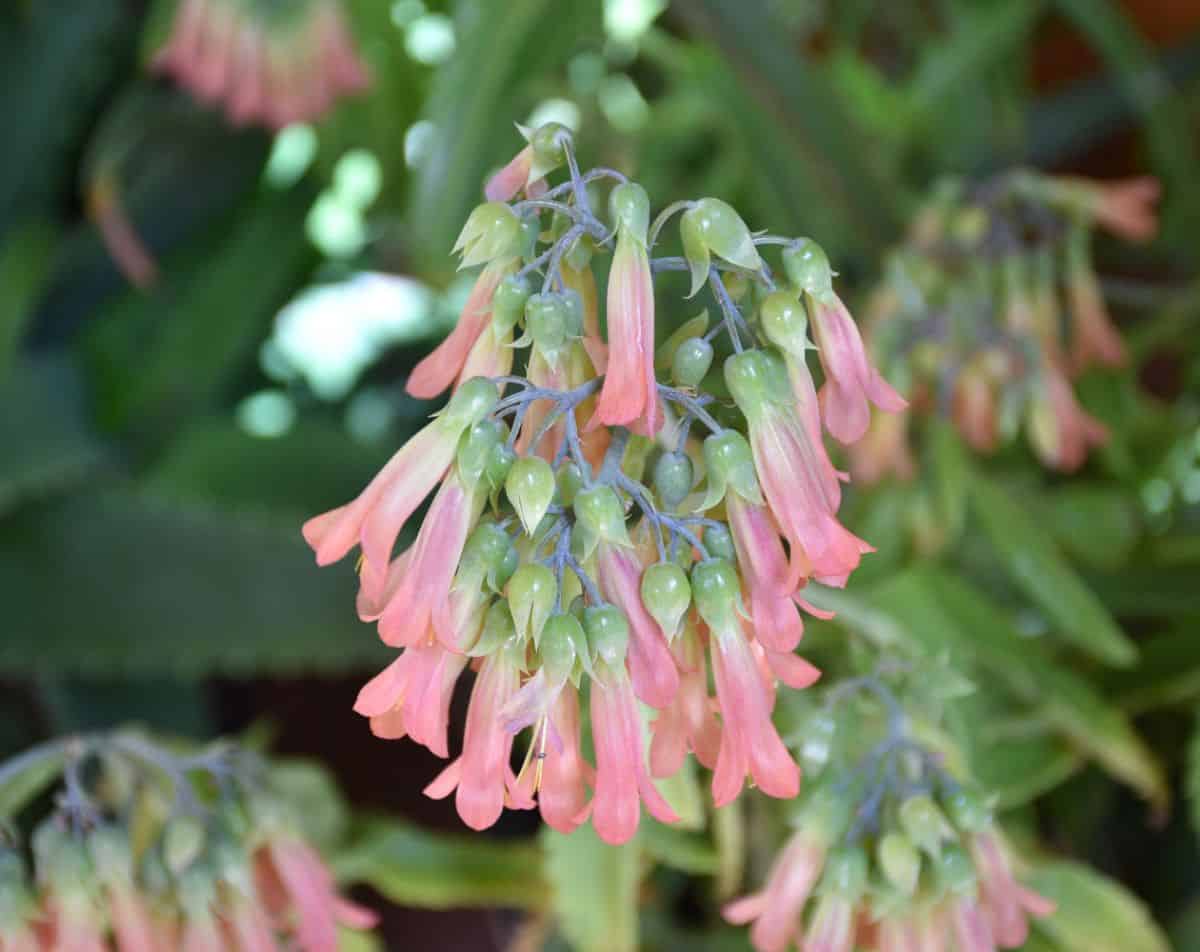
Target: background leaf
594	889
1094	912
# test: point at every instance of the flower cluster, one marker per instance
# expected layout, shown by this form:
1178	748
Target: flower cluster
152	851
992	307
598	537
269	63
890	854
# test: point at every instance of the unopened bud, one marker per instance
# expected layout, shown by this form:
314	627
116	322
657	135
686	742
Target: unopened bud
691	361
530	488
500	462
508	302
900	862
672	478
713	227
608	633
716	590
969	811
492	231
785	323
562	637
570	481
549	142
472	401
485	551
498	630
630	207
475	449
718	540
729	464
546	323
807	267
667	595
532	592
182	843
955	871
925	824
845	872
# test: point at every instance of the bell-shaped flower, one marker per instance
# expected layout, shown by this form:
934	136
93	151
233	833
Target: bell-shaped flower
1060	430
1006	904
375	518
622	780
843	884
1094	337
750	743
411	696
689	722
629	396
712	227
778	909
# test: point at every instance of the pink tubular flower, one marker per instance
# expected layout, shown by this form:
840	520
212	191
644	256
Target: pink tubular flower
1094	338
439	368
1126	208
505	184
1061	431
651	665
974	409
248	927
1005	903
776	911
850	380
132	925
832	926
883	451
629	396
621	777
294	878
411	696
555	769
481	775
689	722
971	930
72	924
422	597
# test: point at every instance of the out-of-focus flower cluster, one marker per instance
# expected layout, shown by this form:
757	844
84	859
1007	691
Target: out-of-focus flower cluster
150	850
890	853
991	308
265	62
615	520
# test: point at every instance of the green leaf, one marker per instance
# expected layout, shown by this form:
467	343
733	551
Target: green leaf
595	889
1019	770
48	445
1038	568
1094	912
312	794
1098	525
678	849
25	259
417	867
1168	674
25	776
951	473
1192	778
119	583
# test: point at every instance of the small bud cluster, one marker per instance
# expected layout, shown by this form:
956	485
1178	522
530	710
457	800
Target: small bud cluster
598	534
149	850
266	62
992	307
890	854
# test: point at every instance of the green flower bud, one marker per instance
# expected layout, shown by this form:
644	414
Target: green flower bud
691	361
530	487
955	871
485	551
716	590
506	569
493	230
607	633
111	855
600	512
845	872
969	811
546	322
561	638
532	592
900	862
549	142
729	462
825	814
572	304
630	208
475	449
498	630
695	251
718	540
723	233
499	464
747	376
472	401
672	478
531	231
667	594
570	481
785	323
807	267
183	841
508	302
925	824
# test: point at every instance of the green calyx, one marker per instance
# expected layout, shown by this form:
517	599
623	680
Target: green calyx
667	595
717	592
600	513
472	401
712	227
630	208
476	448
508	302
607	631
530	488
729	464
807	267
492	231
785	323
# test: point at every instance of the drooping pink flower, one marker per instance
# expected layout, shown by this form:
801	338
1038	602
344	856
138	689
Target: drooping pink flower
974	409
421	598
1094	337
294	879
73	924
884	451
622	781
438	369
778	909
972	933
375	518
1005	903
247	926
133	927
629	396
1062	432
896	933
1126	207
201	934
481	775
20	938
505	184
750	743
832	926
651	665
689	722
850	379
411	696
555	769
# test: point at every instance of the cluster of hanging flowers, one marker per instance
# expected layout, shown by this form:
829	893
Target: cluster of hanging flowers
148	850
598	539
265	62
889	854
991	309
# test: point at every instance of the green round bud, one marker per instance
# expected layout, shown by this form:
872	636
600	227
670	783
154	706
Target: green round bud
667	595
505	570
968	810
630	208
716	590
475	449
691	361
500	464
546	321
549	141
955	871
600	512
570	481
748	376
925	823
182	842
785	323
900	862
673	478
561	637
695	249
472	401
718	540
492	230
607	632
572	303
845	872
530	488
729	462
532	593
724	233
807	267
486	548
508	302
